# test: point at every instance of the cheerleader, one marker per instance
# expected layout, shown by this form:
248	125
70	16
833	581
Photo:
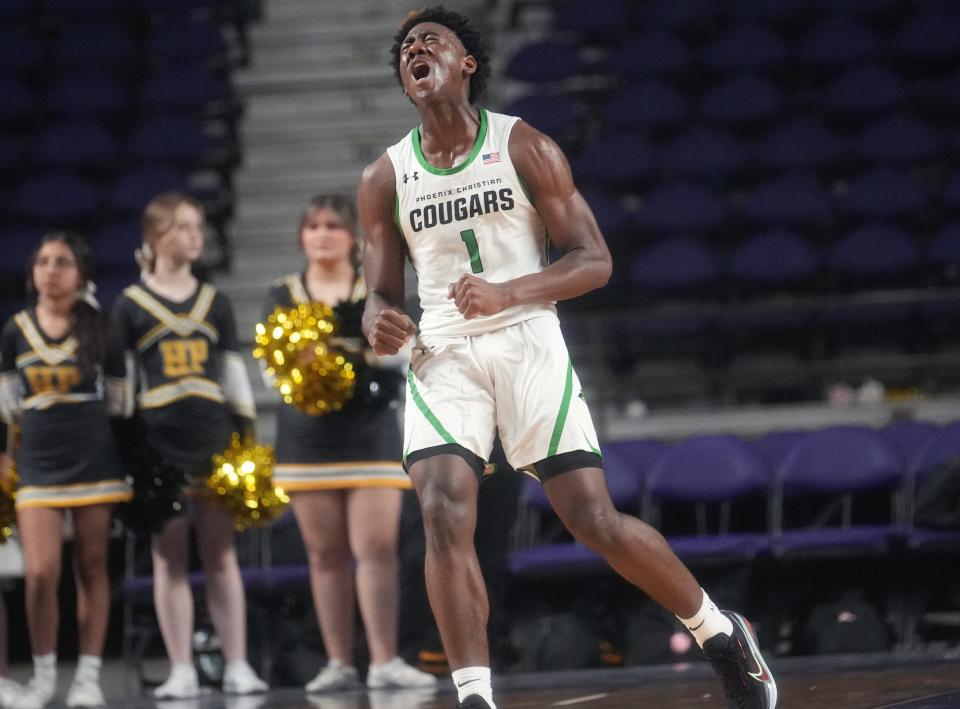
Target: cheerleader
192	394
342	470
60	380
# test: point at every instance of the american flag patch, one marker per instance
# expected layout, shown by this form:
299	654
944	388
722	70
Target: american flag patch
491	158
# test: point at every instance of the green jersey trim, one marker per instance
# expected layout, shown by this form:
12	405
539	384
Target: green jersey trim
481	136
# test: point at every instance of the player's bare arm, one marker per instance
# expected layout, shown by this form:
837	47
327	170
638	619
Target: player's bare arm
385	325
585	264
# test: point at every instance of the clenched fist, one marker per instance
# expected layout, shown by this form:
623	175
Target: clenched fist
475	297
389	330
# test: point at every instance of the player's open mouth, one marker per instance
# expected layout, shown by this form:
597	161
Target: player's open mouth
420	71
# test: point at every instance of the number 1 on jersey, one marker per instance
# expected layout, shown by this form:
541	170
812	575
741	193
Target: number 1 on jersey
470	239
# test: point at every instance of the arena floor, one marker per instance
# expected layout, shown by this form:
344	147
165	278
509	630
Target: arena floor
865	682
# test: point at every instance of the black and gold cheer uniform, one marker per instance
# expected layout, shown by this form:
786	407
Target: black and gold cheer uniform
358	446
192	390
67	456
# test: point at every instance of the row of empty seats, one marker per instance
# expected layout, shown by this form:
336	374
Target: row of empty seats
784	470
104	105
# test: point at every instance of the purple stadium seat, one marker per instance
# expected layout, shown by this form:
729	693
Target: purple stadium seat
874	250
601	19
113	245
175	8
76	145
674	264
909	436
703	150
624	480
104	44
930	34
10	154
553	114
952	92
186	88
18	50
88	8
610	213
11	10
773	258
654	52
16	101
744	47
801	143
775	446
635	457
837	462
865	89
170	138
951	193
942	448
17	246
619	159
547	60
864	8
898	138
741	99
90	93
681	205
687	15
131	191
944	250
866	315
771	10
791	199
200	41
837	41
645	104
111	285
704	470
55	197
882	193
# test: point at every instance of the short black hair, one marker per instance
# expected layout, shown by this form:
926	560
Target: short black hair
458	24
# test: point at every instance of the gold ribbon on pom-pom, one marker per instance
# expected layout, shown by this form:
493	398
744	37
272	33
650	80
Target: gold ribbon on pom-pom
296	345
242	481
8	496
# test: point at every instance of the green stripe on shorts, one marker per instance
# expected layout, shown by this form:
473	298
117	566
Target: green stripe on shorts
564	408
425	410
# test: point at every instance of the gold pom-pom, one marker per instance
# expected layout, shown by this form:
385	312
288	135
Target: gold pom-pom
308	371
242	481
8	496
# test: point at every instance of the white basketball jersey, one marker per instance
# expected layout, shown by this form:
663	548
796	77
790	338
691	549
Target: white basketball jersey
475	217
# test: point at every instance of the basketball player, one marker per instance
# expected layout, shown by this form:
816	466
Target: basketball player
471	196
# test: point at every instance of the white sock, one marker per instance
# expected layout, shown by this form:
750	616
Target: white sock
45	669
88	667
474	680
707	622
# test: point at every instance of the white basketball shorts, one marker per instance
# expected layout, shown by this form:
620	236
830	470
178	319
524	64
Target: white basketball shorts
517	381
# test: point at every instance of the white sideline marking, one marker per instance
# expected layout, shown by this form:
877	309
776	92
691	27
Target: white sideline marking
579	700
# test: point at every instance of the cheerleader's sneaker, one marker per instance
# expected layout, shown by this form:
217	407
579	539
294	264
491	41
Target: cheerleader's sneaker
397	674
9	691
85	692
181	684
239	678
35	695
335	677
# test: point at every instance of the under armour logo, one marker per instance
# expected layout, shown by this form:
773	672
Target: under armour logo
416	176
